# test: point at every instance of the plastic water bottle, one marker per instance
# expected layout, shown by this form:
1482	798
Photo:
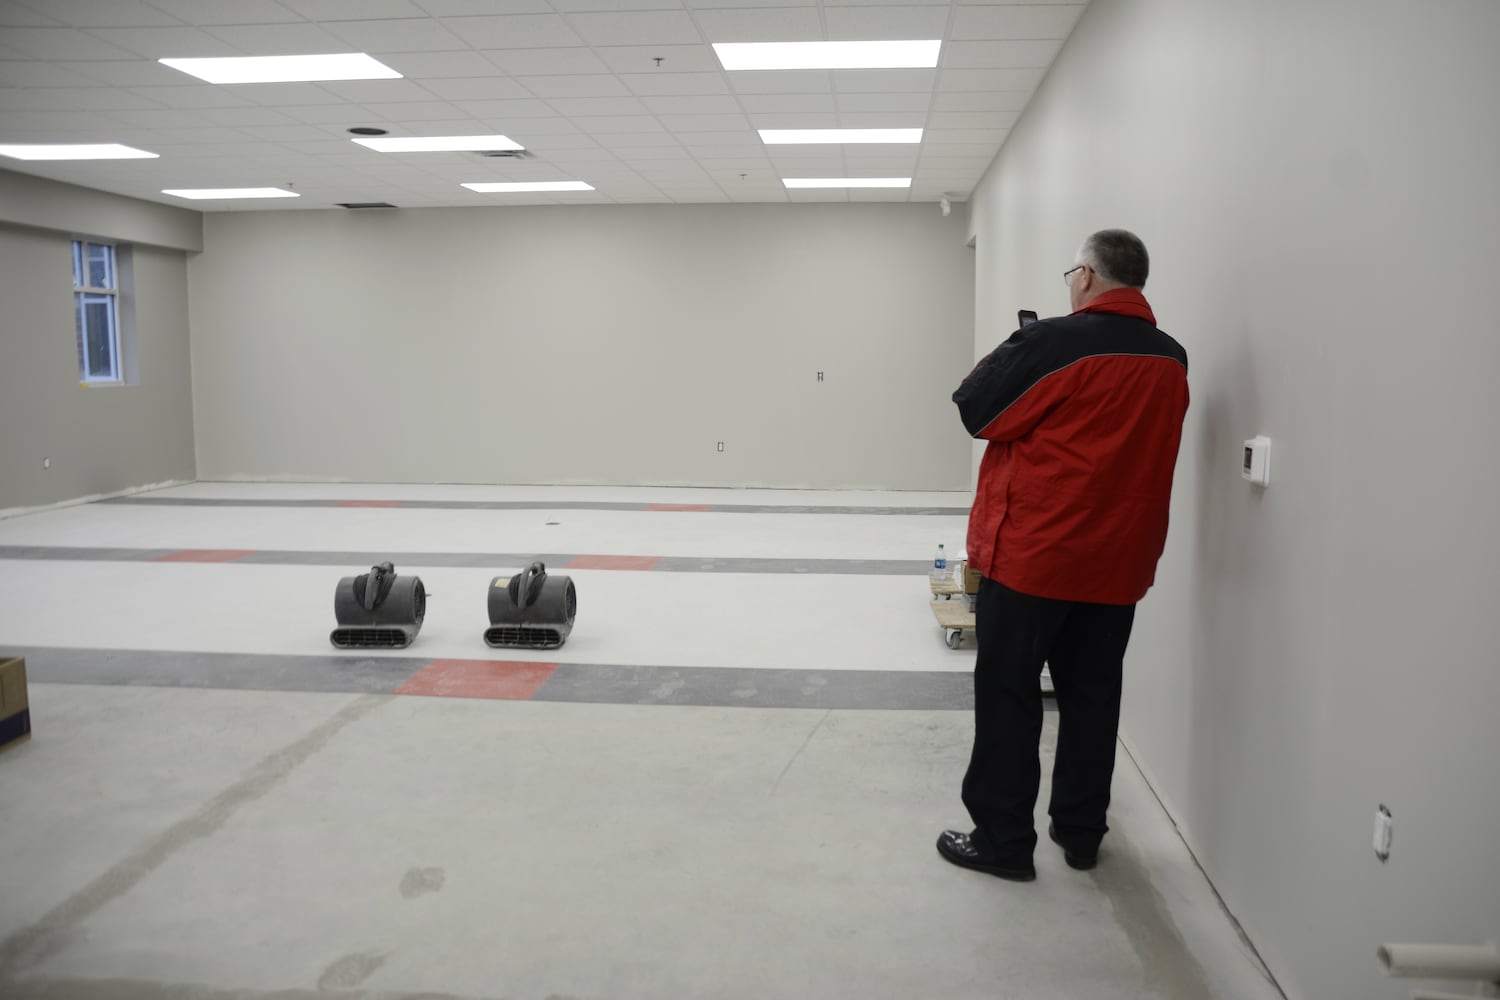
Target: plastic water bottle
940	565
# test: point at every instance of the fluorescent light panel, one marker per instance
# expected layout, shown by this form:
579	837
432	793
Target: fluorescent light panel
922	54
498	187
811	136
75	151
439	143
847	182
285	69
227	193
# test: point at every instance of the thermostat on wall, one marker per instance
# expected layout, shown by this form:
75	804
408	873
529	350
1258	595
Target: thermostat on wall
1257	466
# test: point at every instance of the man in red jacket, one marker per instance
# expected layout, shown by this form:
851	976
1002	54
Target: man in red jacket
1083	414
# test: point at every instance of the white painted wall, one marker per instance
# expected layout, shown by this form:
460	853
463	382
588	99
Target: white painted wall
99	440
585	345
1316	180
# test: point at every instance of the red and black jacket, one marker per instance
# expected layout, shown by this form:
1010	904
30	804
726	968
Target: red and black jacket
1083	415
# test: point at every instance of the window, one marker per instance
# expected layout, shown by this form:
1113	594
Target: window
96	310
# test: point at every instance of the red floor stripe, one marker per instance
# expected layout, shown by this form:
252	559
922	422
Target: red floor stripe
507	680
614	562
370	503
689	507
206	555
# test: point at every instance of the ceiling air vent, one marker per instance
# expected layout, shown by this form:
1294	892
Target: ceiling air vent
364	204
507	154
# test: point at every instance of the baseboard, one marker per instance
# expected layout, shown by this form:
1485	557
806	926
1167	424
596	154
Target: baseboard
10	512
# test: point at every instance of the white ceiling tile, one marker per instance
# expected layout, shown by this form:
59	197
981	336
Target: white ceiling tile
548	87
506	109
719	144
406	35
41	74
596	155
621	124
513	31
959	150
271	95
989	79
105	13
160	43
546	62
885	103
872	23
278	39
794	120
544	144
776	24
1000	55
194	140
228	11
236	117
638	140
414	111
204	96
13	15
345	10
344	115
811	81
583	6
686	84
637	28
597	107
895	3
383	91
462	8
131	73
888	119
61	43
1015	21
440	65
973	119
879	194
634	59
994	100
875	81
285	133
722	105
704	123
16	99
788	103
480	88
955	164
165	118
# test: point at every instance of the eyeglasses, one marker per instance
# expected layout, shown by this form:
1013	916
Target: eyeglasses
1068	274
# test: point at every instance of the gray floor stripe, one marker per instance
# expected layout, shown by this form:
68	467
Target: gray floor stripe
597	683
555	561
138	501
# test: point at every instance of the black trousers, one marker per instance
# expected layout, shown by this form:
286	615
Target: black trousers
1084	645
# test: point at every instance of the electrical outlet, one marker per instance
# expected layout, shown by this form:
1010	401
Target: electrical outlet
46	463
820	376
721	445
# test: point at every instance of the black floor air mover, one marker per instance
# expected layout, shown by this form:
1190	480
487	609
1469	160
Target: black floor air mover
378	610
531	610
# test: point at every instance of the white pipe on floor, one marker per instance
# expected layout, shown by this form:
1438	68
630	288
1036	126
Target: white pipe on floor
1440	961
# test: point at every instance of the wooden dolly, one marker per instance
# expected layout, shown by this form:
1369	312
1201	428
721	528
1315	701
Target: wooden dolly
955	618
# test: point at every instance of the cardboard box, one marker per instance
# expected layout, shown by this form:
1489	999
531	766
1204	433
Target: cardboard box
15	710
971	579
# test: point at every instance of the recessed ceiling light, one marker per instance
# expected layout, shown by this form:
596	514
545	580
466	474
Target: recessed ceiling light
829	55
788	136
285	69
367	130
498	187
847	182
75	151
227	193
439	143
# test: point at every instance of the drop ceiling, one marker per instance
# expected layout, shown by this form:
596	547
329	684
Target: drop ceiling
626	95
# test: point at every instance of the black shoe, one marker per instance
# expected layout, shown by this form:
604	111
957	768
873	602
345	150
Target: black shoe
1075	859
960	849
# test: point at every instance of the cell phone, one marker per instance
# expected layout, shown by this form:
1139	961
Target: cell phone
1026	316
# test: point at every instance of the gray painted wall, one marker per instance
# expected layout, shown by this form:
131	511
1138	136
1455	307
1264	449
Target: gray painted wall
585	345
1316	182
100	440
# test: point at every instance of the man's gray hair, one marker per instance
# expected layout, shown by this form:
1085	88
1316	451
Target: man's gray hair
1117	255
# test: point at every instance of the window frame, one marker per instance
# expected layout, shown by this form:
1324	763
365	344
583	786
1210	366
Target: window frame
85	294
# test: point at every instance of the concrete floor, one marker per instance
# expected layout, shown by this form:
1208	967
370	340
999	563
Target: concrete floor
266	824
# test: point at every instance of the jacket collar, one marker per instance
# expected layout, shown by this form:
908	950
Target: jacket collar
1122	302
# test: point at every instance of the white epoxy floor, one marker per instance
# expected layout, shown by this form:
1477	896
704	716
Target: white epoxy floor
259	845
